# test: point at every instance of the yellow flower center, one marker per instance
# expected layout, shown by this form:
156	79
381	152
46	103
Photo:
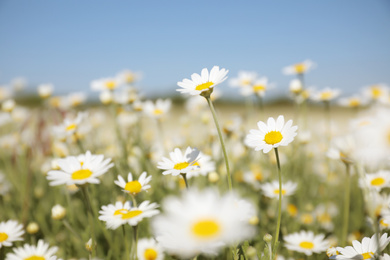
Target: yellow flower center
276	191
382	222
258	176
292	210
306	245
354	102
378	181
81	174
34	257
130	78
307	219
258	88
245	82
131	214
326	95
71	127
324	218
273	137
376	92
158	112
120	212
204	86
205	229
3	237
181	166
133	187
368	255
150	254
300	68
110	84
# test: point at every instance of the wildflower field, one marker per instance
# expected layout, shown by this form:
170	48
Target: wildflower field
198	178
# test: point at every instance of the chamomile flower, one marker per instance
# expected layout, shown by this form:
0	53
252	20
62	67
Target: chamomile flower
201	222
45	90
271	189
179	163
157	110
378	180
122	213
326	94
134	186
104	84
28	252
259	87
363	250
306	242
353	101
128	77
376	92
69	126
299	68
271	135
205	165
73	170
244	79
149	249
204	82
10	231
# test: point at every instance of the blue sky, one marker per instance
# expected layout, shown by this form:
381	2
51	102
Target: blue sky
69	43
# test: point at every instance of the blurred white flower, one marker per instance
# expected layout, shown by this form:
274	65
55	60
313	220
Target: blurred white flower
149	249
10	231
271	189
244	79
299	68
306	242
45	90
41	251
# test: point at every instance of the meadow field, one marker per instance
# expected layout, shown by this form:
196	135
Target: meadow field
132	178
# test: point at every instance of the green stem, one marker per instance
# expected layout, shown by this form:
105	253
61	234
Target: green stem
126	244
222	142
133	200
84	190
135	241
185	179
280	199
346	206
80	144
69	227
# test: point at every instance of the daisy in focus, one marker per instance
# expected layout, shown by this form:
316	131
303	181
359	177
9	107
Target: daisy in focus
271	135
204	82
79	170
364	250
306	242
134	186
201	222
299	68
180	163
271	189
378	180
122	213
10	231
149	249
29	252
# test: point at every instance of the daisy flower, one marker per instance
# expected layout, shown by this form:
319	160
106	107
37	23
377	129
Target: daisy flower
179	163
378	180
259	87
299	68
128	77
201	222
205	165
327	94
79	170
149	249
306	242
295	86
375	92
27	252
157	110
204	82
364	250
271	189
271	135
353	101
244	79
45	90
104	84
136	186
122	213
69	126
10	231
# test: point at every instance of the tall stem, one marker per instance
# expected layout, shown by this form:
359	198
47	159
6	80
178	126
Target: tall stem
135	242
280	199
222	142
84	190
346	206
126	244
